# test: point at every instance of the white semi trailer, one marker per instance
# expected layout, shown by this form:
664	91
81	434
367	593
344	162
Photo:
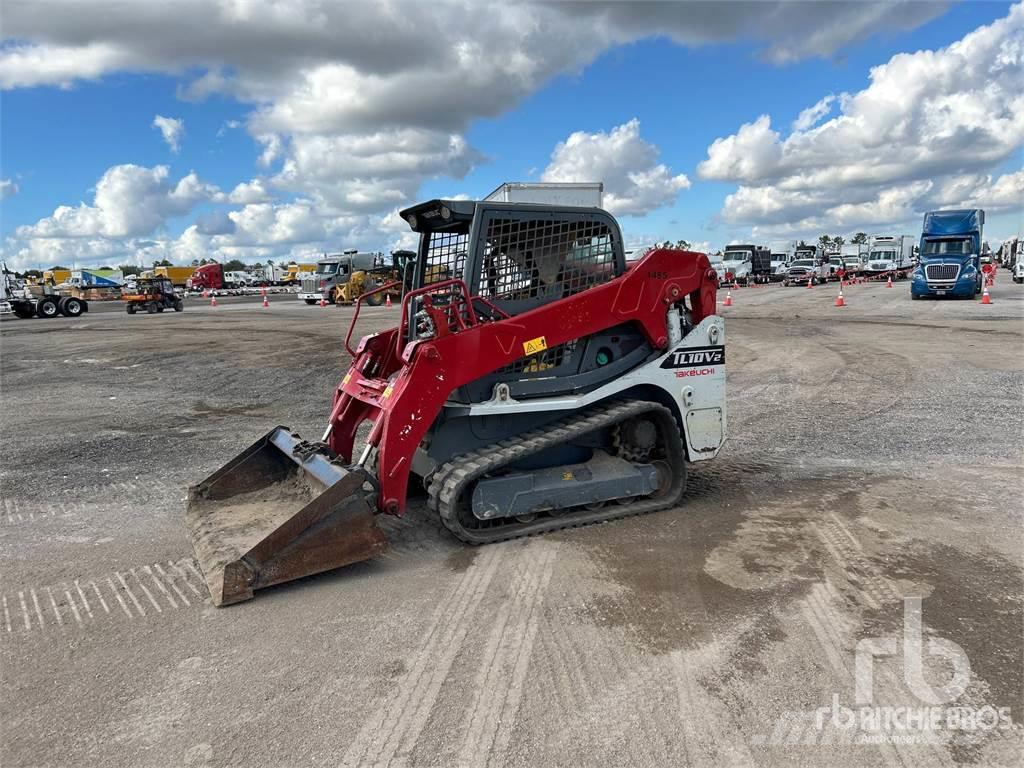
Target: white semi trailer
585	194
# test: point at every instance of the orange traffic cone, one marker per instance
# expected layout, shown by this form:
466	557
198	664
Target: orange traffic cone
323	302
206	294
213	299
266	303
728	299
263	291
810	284
985	298
387	301
888	283
840	301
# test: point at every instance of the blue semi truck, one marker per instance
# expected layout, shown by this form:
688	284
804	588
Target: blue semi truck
949	255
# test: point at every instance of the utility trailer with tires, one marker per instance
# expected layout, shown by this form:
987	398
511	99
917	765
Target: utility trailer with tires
24	302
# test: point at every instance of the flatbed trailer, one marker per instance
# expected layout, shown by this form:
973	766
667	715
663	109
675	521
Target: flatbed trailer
47	304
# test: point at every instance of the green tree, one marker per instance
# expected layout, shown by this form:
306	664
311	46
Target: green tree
130	269
163	263
824	242
859	238
838	241
234	265
683	245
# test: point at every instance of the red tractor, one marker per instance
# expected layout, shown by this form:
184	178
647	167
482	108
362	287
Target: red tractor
533	383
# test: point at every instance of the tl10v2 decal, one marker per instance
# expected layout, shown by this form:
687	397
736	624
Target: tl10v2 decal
693	357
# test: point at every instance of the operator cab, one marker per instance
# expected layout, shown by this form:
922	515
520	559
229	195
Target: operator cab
517	256
513	258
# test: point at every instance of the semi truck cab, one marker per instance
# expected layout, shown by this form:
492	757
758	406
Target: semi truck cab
334	270
950	253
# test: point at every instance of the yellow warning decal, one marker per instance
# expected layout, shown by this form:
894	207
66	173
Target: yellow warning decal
387	392
533	346
348	376
568	476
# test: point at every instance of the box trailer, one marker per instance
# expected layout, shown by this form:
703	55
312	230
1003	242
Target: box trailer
584	194
179	276
97	278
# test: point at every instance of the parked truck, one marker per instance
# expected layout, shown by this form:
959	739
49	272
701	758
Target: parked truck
212	277
950	252
267	274
891	255
782	252
747	264
335	269
584	194
802	271
1011	252
855	258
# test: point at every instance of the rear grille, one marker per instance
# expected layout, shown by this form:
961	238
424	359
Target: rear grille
942	271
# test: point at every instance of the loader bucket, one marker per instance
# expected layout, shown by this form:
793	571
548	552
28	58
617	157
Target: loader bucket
280	510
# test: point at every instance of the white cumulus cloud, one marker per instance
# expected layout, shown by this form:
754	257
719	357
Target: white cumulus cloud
8	188
172	129
929	129
130	201
635	183
810	116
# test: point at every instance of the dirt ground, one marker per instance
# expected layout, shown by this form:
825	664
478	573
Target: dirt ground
874	456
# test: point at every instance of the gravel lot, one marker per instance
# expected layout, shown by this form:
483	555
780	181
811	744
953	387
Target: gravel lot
874	455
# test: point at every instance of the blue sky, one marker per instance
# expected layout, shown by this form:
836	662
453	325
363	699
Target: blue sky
62	132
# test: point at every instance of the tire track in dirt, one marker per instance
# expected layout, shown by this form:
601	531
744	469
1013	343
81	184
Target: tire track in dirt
701	716
498	686
835	633
396	724
596	673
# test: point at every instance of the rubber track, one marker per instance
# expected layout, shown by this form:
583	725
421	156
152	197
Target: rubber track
451	479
